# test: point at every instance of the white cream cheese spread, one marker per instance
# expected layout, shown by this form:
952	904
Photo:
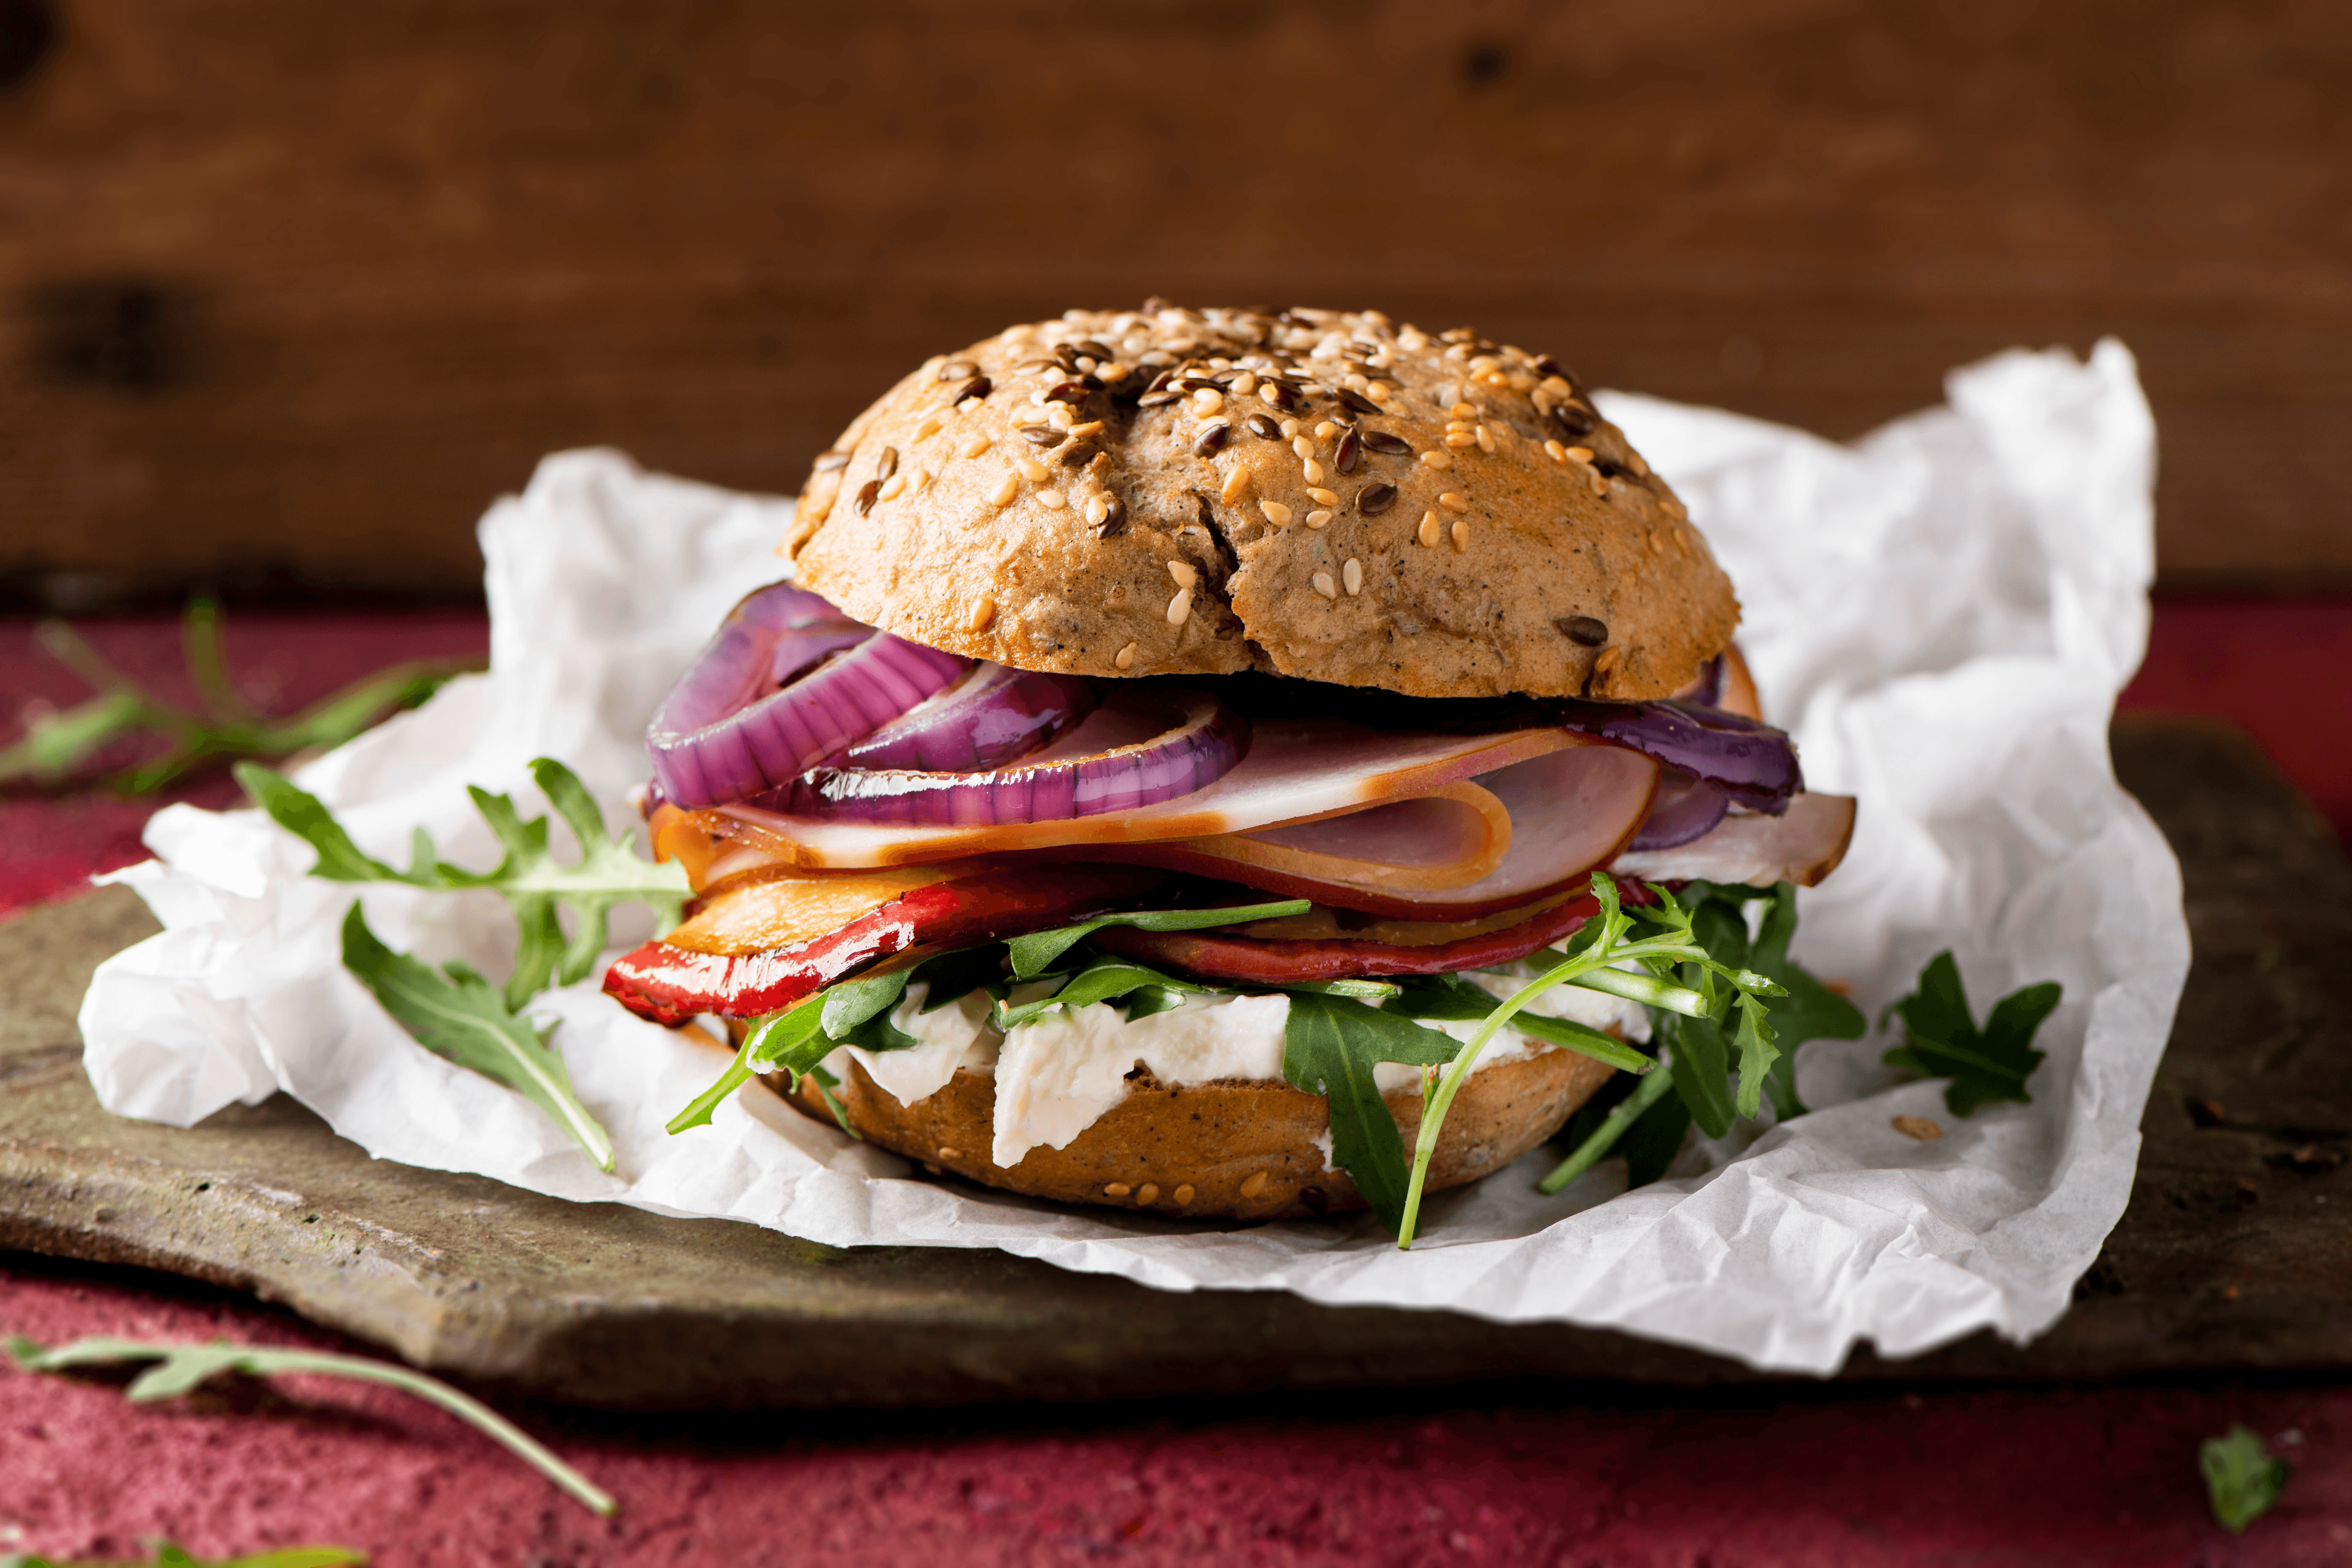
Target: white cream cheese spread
1058	1075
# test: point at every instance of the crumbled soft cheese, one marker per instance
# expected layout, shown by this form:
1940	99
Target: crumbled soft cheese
958	1035
1058	1075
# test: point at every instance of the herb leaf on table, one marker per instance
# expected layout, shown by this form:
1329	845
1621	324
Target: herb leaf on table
1942	1040
179	1368
2241	1478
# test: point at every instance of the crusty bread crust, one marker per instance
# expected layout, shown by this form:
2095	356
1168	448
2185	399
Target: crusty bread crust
1507	541
1245	1150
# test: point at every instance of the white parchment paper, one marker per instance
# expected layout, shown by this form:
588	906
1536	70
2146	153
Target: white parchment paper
1941	612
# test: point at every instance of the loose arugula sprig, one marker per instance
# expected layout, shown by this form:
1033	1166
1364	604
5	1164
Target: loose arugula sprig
1668	969
1941	1037
181	1368
57	746
2242	1479
454	1011
169	1554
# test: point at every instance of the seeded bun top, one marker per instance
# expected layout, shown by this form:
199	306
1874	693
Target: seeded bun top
1314	493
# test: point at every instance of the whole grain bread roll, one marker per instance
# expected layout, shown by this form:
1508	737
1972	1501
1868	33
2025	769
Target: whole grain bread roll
1244	1149
1312	493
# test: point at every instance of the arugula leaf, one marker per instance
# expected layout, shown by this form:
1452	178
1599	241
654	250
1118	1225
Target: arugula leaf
1701	1065
169	1554
1942	1039
609	872
1032	953
2241	1478
55	745
954	974
1809	1010
1648	1105
455	1014
1451	997
1100	981
179	1368
781	1041
1330	1044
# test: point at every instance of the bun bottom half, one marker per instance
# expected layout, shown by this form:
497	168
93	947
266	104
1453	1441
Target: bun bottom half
1241	1149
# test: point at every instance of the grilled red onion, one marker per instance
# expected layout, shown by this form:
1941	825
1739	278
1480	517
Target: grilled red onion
1686	807
1750	761
1198	741
992	717
788	682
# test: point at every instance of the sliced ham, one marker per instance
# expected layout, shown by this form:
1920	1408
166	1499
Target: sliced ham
1296	770
1802	845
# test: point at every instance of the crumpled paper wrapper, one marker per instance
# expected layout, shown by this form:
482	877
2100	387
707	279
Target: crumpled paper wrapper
1942	613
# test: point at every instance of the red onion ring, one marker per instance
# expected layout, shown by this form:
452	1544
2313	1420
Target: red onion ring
1750	761
992	717
788	682
1202	741
1686	807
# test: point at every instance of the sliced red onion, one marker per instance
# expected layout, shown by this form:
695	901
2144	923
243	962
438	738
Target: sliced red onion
992	717
1708	690
1198	741
788	682
1686	807
1751	761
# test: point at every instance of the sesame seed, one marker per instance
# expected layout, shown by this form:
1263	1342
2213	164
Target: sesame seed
1033	470
895	489
1148	1193
1351	577
1557	385
1436	460
1021	332
1322	498
1272	392
1313	470
983	611
1486	439
1207	401
1411	339
1184	572
1607	662
1429	533
1600	485
925	431
1244	384
1007	488
1303	446
1460	438
1673	509
1581	454
1558	453
946	1153
1117	1189
1091	427
923	478
1253	1184
1325	431
1464	411
1461	535
1179	607
1236	485
1059	416
1454	502
1379	391
1126	659
1289	429
1184	1195
1323	585
1657	544
1052	500
1096	509
975	446
1275	513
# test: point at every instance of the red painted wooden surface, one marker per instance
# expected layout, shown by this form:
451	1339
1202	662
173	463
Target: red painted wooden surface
1516	1477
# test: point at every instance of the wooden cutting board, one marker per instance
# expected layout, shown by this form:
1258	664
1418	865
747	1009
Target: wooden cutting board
2234	1253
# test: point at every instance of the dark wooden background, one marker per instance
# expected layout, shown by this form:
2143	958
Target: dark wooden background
288	292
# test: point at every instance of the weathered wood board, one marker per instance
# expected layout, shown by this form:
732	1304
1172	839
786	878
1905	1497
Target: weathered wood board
2234	1253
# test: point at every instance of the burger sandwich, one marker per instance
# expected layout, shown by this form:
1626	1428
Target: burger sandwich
1179	731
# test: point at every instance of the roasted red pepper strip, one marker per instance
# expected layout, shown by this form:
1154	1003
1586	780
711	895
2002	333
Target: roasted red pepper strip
671	984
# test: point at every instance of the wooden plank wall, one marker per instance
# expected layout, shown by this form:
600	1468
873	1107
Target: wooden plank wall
288	292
